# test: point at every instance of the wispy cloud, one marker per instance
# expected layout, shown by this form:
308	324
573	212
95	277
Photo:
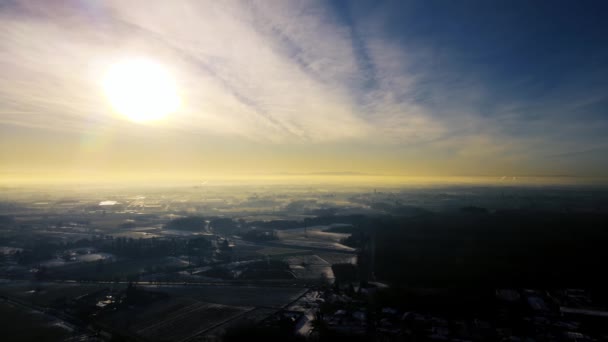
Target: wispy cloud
283	72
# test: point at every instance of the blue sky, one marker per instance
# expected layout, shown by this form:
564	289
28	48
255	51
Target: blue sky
389	87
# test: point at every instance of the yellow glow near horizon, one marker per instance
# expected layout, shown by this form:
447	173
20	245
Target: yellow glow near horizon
141	89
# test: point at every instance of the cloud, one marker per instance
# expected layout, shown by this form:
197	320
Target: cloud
304	72
286	72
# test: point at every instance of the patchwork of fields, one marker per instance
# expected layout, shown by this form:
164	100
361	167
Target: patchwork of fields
173	319
185	312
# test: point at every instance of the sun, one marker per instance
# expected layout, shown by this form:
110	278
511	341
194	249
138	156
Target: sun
141	89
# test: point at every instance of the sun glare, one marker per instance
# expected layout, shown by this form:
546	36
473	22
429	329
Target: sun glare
141	89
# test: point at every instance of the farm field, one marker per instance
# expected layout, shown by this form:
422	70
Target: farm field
256	296
313	237
309	267
281	251
172	319
47	294
20	324
337	258
121	269
254	316
186	312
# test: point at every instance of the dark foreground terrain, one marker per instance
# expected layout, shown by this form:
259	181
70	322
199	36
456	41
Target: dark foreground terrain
371	266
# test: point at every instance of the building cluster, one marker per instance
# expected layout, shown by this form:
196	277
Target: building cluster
515	315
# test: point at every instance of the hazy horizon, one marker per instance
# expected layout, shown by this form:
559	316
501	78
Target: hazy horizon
331	180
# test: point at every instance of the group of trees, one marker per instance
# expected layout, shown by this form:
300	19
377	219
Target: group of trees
503	249
199	249
189	223
153	247
41	252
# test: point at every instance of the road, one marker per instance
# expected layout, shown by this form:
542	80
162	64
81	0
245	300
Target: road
294	246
